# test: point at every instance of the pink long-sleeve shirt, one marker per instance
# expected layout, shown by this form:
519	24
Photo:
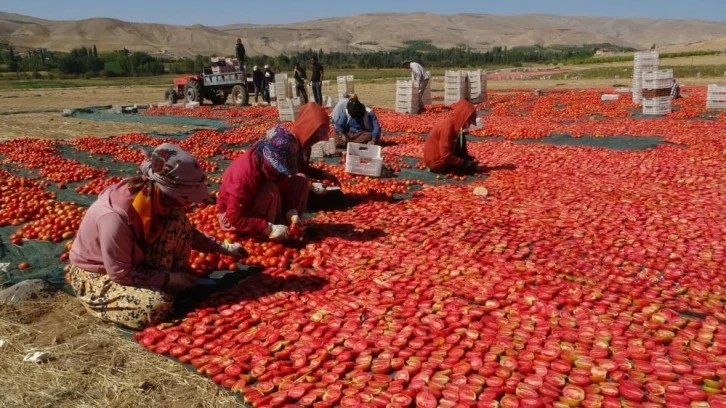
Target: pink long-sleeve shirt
107	241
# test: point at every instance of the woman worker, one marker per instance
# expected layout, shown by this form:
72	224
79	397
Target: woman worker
131	254
265	190
445	148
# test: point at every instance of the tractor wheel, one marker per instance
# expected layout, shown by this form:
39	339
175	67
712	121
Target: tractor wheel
240	97
192	91
218	97
170	95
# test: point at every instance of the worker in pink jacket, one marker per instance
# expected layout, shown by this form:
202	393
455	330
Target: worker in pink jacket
131	254
265	190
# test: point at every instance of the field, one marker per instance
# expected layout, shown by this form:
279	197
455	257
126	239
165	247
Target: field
588	276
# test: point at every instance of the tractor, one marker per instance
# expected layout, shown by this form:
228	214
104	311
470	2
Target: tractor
215	85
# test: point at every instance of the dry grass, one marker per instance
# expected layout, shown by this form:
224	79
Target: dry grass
15	100
91	364
56	126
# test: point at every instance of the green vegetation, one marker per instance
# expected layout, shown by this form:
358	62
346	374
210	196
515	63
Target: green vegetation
420	45
625	58
85	66
627	72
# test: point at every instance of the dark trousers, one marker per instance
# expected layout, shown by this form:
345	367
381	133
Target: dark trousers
318	92
302	93
363	137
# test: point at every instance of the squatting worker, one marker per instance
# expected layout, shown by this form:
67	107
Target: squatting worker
358	125
445	148
265	190
131	254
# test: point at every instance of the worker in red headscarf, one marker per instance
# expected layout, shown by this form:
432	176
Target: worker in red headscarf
445	148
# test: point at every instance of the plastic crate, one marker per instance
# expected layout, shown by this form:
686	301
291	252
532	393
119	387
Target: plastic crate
345	85
288	109
716	97
363	159
322	149
657	106
609	97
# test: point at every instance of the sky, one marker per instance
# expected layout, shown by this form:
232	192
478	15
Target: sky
221	12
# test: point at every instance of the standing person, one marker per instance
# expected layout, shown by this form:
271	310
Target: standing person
131	254
240	53
419	75
445	148
360	125
268	79
300	78
316	79
258	79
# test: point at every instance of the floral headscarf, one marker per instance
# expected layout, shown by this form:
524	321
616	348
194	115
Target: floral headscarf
171	171
279	150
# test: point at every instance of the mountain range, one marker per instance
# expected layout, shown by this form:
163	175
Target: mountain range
360	33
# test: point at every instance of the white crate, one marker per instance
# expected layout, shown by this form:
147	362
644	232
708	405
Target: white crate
657	106
345	85
716	97
407	98
426	100
644	61
288	109
363	159
322	149
657	84
660	74
656	110
609	97
477	85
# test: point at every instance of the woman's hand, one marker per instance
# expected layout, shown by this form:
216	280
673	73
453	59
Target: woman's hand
233	249
331	177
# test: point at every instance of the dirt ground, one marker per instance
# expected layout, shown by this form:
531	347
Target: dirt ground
37	113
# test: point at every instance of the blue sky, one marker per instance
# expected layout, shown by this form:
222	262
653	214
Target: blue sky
220	12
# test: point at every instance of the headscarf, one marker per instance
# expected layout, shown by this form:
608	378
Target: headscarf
279	150
167	170
462	111
355	108
312	116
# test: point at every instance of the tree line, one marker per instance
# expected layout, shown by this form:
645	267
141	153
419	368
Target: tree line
87	61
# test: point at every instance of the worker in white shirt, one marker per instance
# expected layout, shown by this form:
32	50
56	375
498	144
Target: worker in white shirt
418	74
339	109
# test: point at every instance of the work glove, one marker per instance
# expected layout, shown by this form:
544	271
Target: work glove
233	249
180	281
292	217
278	232
319	188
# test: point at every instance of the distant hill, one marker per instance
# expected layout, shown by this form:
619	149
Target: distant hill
367	32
